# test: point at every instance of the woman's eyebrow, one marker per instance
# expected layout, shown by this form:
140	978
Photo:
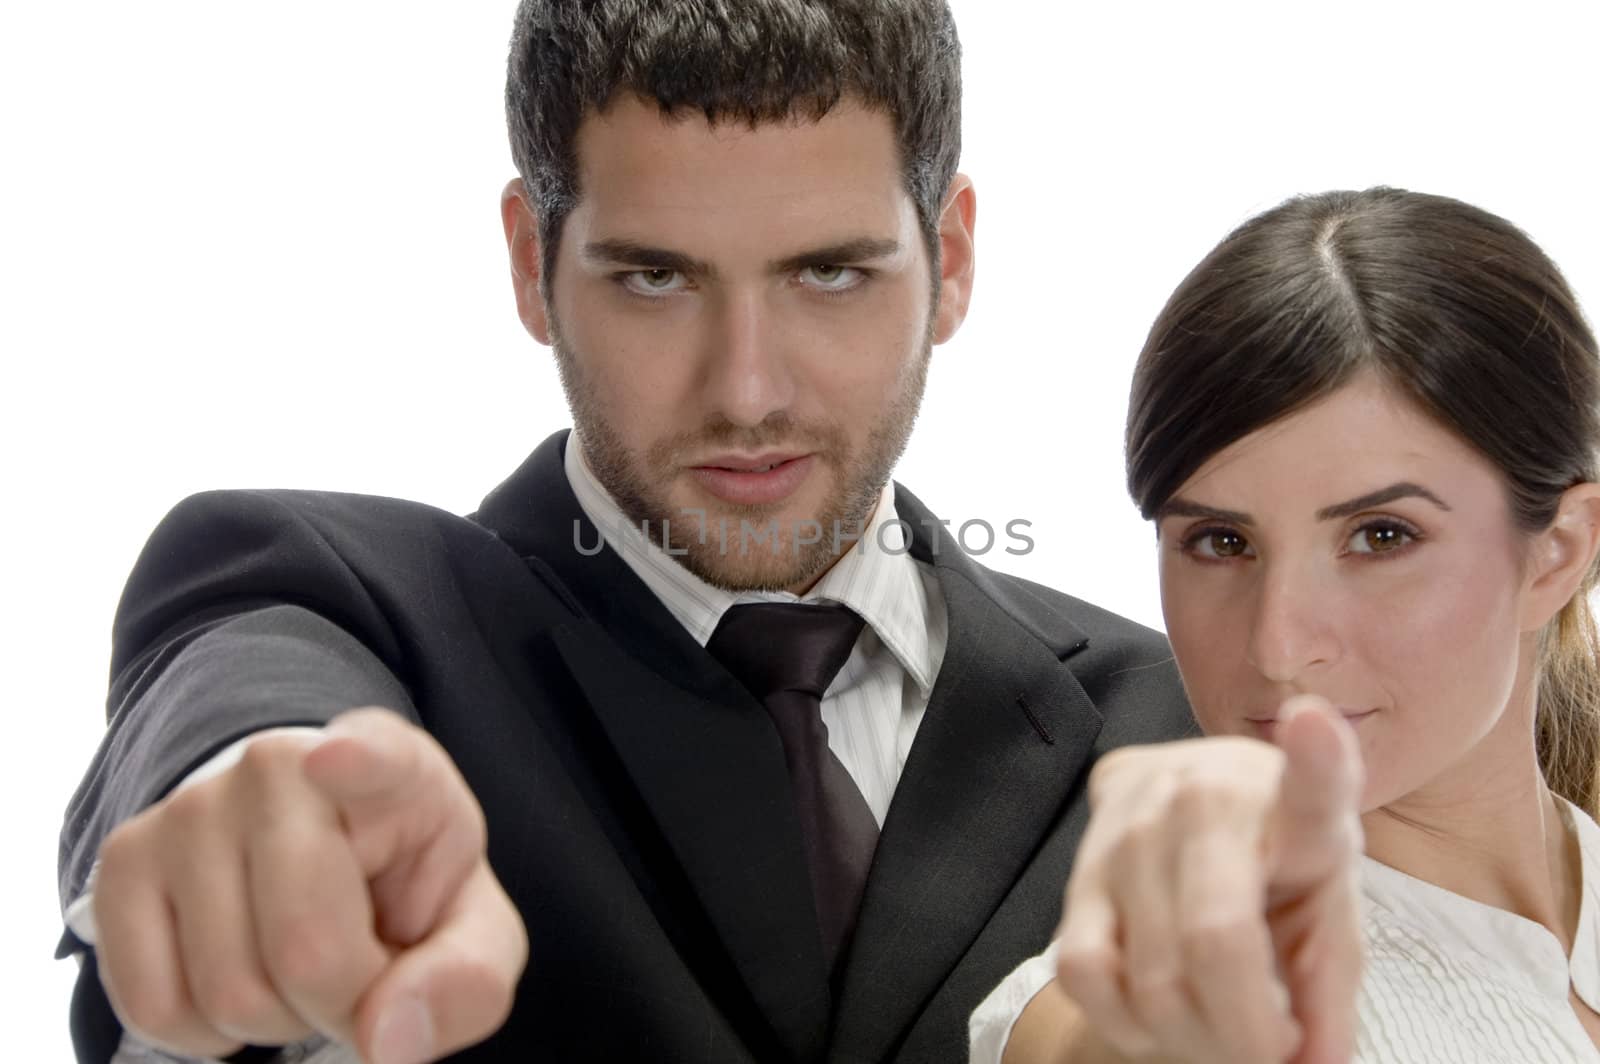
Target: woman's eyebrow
1178	506
1403	489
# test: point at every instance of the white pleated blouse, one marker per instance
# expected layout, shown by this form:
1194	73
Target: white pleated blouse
1453	981
1448	980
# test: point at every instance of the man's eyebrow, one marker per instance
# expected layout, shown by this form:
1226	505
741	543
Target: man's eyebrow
1403	489
846	253
644	257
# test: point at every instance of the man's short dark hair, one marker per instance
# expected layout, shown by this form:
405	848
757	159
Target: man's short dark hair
743	60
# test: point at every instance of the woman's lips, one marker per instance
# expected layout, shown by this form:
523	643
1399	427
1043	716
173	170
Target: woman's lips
1266	727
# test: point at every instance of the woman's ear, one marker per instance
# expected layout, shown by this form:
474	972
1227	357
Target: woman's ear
1562	555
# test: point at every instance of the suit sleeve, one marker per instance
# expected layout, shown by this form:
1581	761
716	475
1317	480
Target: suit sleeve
239	615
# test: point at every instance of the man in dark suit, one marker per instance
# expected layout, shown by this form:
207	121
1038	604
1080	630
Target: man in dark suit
741	229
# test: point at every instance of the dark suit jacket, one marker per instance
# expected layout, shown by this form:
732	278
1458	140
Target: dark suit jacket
636	795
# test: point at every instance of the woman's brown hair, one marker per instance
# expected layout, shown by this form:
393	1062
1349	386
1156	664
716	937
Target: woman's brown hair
1459	311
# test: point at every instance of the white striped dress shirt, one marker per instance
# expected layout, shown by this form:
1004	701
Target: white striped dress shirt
1448	980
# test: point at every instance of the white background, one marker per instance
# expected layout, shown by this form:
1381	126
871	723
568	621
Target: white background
259	245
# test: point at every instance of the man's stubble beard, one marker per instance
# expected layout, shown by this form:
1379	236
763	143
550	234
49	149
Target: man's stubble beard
727	553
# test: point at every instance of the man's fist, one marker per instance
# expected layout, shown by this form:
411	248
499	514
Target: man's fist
333	884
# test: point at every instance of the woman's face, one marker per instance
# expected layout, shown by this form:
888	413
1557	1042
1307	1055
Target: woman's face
1360	551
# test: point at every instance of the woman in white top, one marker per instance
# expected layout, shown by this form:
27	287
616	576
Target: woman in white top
1366	428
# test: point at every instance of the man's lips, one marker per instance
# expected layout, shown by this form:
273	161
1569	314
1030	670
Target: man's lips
754	479
748	463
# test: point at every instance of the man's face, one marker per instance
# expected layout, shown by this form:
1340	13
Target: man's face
743	319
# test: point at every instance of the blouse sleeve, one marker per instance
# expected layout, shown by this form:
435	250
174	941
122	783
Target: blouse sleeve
989	1027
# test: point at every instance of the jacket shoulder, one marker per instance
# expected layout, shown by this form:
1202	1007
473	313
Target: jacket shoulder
368	563
1043	606
1126	668
331	511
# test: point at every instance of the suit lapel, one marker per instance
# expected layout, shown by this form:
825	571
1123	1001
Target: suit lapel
537	515
701	751
1007	733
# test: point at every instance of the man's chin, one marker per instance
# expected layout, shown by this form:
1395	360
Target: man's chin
757	567
786	546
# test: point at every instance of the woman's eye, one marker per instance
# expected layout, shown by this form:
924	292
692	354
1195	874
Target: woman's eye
832	278
1379	538
652	282
1219	543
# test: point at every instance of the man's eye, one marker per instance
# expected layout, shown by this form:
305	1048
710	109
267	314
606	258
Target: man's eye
1218	543
831	278
1379	537
653	282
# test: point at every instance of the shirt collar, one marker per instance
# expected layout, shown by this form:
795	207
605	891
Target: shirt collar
876	577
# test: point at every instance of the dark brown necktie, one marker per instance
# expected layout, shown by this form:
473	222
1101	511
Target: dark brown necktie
787	654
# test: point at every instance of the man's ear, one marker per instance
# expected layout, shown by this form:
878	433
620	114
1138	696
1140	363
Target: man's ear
957	224
1561	555
522	241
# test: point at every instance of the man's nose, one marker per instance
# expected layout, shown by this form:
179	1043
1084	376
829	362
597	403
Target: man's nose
1293	626
749	377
